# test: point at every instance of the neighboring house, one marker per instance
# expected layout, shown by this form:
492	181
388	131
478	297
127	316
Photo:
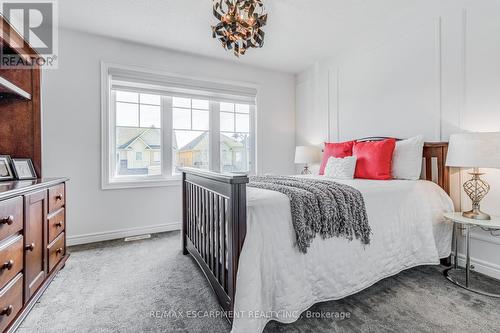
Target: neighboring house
195	153
233	153
138	151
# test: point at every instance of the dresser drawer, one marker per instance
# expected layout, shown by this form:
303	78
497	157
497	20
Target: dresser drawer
57	197
56	224
11	259
11	301
11	216
56	251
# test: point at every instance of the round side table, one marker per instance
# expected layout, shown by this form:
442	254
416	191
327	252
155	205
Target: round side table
468	224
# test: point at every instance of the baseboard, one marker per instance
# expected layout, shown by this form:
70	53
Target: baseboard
481	266
485	238
122	233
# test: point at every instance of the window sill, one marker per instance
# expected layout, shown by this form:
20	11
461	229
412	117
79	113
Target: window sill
117	184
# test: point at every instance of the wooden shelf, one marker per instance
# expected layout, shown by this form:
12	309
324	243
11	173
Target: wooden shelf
20	113
9	89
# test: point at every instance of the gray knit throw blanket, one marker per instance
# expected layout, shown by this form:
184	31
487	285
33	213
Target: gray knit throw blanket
320	206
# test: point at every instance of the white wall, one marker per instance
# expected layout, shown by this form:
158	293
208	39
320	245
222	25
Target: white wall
72	142
434	72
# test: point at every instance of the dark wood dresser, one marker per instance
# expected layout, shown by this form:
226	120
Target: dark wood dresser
32	212
32	244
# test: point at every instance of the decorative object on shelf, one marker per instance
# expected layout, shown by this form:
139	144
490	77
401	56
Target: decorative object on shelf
23	168
307	155
475	150
6	172
240	24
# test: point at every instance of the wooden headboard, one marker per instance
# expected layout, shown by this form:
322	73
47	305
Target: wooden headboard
437	151
433	151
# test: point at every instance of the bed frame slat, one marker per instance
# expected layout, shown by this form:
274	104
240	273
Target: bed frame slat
428	169
197	219
223	245
205	218
217	236
212	232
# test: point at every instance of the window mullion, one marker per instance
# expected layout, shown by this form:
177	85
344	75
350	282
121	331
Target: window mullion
112	136
167	149
214	125
253	141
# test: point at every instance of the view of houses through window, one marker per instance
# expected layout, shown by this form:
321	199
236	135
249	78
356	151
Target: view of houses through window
138	134
138	127
234	137
191	124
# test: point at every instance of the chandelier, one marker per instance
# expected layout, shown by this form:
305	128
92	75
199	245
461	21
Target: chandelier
240	24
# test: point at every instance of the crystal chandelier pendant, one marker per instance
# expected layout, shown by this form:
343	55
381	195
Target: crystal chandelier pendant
240	24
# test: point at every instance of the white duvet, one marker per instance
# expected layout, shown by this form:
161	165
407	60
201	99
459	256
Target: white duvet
276	281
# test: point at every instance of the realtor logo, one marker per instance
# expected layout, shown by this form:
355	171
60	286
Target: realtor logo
36	22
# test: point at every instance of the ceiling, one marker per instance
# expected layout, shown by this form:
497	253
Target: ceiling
298	33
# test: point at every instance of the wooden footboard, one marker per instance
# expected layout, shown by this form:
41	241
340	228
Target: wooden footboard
214	227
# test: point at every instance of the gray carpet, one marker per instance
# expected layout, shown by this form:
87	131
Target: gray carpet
115	287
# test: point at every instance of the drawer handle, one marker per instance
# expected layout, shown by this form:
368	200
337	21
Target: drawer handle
30	247
59	224
8	264
59	196
59	250
7	311
8	220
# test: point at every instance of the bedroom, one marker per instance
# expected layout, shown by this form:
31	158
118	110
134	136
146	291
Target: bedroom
327	72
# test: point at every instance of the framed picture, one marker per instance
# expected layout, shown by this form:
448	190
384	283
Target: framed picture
6	172
23	168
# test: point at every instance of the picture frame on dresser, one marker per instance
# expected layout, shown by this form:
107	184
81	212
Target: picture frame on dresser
6	172
23	168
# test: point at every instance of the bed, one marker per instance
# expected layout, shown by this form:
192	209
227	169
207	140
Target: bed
243	240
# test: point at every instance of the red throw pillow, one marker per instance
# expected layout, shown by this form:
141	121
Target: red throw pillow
374	159
337	150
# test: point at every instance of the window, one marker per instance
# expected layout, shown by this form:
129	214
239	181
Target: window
152	128
138	133
191	126
235	137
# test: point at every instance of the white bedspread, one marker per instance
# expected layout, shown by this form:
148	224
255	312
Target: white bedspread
276	281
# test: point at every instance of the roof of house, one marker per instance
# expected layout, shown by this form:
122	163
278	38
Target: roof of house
195	142
126	136
229	141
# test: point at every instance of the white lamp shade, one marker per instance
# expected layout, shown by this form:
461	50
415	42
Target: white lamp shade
474	150
307	154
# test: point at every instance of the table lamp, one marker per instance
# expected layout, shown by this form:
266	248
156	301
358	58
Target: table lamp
306	155
474	151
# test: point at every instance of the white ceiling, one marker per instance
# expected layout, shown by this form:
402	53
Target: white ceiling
298	33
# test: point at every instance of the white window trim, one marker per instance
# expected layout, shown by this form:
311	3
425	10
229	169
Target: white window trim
166	179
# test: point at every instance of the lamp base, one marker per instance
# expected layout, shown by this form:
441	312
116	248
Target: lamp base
476	189
306	171
476	214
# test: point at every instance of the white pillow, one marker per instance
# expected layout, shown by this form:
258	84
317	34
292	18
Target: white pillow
340	168
407	158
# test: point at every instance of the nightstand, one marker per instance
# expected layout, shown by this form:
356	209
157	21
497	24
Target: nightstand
468	224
